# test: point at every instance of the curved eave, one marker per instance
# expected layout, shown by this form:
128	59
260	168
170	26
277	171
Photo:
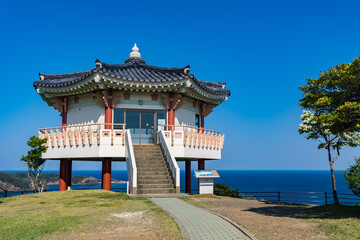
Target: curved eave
100	80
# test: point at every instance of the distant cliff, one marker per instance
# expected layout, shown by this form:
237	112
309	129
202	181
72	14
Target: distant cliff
20	181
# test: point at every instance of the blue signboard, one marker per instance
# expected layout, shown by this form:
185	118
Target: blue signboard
206	174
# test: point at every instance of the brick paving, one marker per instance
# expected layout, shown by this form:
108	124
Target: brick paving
199	224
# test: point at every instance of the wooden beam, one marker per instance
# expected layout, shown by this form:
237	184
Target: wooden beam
166	100
173	101
60	104
206	109
116	96
178	101
98	97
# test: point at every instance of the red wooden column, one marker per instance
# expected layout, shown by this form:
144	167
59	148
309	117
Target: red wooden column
106	164
106	174
188	176
68	173
171	111
64	164
202	121
62	177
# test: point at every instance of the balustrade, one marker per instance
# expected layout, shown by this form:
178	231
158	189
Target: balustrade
84	134
194	137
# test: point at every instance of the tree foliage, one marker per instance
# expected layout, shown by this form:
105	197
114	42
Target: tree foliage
34	161
352	176
332	116
334	97
222	189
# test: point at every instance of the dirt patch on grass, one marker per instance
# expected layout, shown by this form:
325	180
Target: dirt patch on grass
273	221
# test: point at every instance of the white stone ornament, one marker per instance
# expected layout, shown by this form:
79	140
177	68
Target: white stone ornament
135	52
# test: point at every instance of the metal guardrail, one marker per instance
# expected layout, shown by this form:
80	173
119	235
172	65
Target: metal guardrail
302	197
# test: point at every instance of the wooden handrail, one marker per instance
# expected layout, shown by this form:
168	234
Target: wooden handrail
82	125
82	134
196	137
186	126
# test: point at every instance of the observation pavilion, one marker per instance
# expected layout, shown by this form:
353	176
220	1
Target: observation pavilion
147	116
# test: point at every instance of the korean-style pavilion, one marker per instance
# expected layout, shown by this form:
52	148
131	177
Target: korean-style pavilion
147	116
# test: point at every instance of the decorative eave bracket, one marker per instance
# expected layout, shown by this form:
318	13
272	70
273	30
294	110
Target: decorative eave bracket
106	98
206	109
60	104
173	100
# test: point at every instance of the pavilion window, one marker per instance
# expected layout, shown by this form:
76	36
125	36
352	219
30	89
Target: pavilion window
119	116
161	118
197	120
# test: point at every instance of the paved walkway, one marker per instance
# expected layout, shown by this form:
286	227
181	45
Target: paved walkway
199	224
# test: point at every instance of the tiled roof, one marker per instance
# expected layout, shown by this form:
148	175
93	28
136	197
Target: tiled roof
133	69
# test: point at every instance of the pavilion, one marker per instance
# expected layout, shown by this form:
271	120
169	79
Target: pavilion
147	116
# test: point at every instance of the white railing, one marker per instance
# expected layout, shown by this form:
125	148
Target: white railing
131	163
193	137
84	134
174	168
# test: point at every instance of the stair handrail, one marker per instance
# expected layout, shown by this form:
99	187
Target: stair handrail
174	168
131	163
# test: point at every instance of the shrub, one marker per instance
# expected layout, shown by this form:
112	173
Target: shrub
352	175
222	189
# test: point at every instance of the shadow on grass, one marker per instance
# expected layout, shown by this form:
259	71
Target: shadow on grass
306	212
1	202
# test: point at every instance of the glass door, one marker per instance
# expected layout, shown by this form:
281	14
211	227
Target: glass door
133	124
147	127
141	125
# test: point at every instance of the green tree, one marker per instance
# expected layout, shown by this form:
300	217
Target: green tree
320	131
352	175
334	97
332	116
34	161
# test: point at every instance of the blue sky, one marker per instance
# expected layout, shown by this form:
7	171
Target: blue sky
264	50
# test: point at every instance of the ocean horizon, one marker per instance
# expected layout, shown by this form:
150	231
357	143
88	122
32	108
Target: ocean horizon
243	180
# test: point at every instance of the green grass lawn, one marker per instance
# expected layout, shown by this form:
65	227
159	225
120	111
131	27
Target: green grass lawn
338	222
70	214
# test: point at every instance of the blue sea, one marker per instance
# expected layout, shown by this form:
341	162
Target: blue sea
248	181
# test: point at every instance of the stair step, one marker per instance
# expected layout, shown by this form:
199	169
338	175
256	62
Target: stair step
154	181
148	157
158	158
151	164
152	170
158	173
144	169
155	186
156	190
153	177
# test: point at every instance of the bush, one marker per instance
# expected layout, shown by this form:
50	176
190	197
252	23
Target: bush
352	175
222	189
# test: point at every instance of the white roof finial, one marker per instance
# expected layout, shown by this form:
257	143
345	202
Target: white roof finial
135	52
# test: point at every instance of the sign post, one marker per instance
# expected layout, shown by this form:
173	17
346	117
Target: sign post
206	180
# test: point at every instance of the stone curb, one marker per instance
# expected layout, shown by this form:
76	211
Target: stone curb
181	226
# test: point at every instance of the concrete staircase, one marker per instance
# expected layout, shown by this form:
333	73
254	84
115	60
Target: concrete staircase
153	174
